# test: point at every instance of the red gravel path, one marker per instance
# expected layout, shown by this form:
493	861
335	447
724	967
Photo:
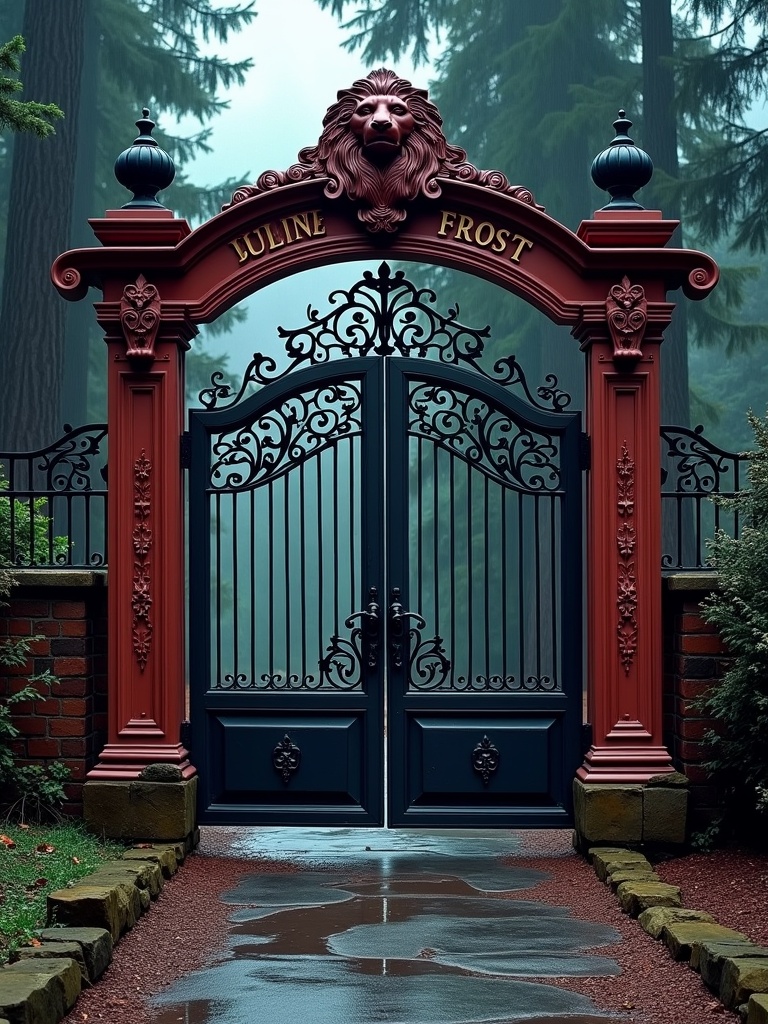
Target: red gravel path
187	927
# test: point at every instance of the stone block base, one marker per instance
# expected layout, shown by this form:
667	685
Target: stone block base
630	814
141	811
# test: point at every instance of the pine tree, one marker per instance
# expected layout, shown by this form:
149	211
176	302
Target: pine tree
102	61
21	115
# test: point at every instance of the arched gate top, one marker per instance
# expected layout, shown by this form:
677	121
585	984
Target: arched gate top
384	182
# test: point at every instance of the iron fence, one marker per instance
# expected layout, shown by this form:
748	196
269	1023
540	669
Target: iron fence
53	502
693	470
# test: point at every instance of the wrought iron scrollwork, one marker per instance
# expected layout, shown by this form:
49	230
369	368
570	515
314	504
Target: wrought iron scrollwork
475	431
282	437
382	315
286	758
698	466
428	666
347	658
485	759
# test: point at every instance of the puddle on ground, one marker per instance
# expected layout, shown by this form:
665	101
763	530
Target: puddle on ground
398	935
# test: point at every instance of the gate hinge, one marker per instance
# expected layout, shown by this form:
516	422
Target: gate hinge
585	451
185	450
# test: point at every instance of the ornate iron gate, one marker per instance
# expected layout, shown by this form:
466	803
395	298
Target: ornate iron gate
385	549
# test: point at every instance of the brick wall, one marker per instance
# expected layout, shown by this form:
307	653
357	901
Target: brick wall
67	611
694	662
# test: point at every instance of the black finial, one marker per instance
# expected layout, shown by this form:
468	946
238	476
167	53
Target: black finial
144	168
622	168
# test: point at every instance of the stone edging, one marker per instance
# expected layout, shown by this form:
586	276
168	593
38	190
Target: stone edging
85	921
731	966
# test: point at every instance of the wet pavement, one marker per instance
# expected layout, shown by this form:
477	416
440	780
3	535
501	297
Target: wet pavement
406	927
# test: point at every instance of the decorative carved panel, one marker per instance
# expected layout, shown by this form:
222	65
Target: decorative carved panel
627	312
140	319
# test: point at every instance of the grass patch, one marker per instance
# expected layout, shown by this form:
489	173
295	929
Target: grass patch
42	859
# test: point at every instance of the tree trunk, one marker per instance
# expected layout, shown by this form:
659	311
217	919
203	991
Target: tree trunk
660	140
32	315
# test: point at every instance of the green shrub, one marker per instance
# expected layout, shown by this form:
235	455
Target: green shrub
739	609
26	791
33	543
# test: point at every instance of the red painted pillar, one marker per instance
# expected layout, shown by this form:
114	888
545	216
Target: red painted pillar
621	338
146	645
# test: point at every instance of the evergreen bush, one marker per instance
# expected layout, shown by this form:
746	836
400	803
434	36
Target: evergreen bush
739	609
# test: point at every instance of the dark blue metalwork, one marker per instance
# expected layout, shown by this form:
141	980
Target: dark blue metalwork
371	530
53	502
622	168
694	471
144	168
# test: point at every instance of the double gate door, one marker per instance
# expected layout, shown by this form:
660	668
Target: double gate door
385	588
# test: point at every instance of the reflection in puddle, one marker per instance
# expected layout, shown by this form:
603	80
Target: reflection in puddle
395	937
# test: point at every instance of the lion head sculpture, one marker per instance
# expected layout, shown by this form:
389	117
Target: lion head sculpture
382	145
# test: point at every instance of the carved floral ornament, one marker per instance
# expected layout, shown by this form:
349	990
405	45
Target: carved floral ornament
627	312
626	540
141	597
383	146
140	320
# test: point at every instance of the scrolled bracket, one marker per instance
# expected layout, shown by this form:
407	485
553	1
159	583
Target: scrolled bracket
140	321
626	310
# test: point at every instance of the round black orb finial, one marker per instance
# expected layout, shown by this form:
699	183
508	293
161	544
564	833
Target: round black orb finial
622	168
144	168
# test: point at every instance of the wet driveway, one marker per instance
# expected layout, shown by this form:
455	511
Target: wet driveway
406	927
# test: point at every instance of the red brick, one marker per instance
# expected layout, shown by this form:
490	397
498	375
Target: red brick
67	727
692	688
69	609
70	688
49	706
701	644
73	748
20	627
30	726
26	668
18	748
43	748
40	648
19	607
70	666
74	627
693	728
696	774
687	750
47	627
17	685
690	623
74	708
24	707
692	606
76	769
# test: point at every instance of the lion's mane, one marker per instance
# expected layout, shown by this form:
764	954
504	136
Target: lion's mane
382	190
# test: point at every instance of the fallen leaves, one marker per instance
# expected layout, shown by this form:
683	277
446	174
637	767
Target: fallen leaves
45	848
7	842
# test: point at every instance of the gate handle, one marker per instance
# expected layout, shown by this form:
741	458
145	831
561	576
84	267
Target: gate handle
370	625
397	619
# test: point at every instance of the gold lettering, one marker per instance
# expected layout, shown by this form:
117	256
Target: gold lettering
485	224
465	223
449	218
288	238
255	252
500	241
274	243
521	242
242	255
318	225
301	224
